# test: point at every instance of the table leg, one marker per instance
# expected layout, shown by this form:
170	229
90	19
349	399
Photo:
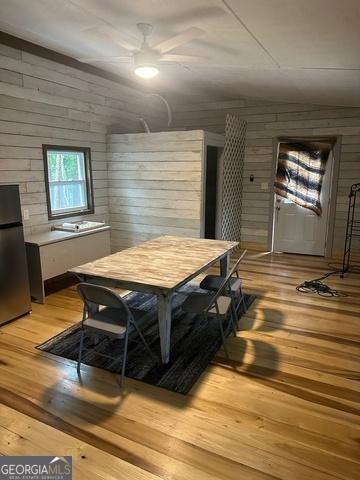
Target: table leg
224	265
164	316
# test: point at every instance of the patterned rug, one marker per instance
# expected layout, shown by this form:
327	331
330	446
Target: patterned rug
194	343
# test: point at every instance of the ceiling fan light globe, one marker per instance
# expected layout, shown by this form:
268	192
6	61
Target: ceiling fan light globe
146	71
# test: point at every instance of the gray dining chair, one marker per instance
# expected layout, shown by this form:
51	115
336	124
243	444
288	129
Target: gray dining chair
213	282
116	320
216	306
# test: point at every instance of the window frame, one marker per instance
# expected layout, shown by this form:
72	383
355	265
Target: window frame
88	181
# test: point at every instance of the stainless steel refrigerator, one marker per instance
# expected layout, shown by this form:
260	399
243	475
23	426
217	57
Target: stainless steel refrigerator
14	281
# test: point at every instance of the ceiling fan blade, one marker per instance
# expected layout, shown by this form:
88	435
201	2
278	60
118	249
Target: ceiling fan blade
177	40
168	57
106	60
117	37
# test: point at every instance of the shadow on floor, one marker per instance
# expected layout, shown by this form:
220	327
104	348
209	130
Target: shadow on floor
246	357
253	357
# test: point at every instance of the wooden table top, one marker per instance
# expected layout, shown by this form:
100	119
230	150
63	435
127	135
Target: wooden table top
166	262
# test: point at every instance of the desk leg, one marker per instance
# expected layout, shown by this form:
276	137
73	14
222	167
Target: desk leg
164	316
37	289
224	265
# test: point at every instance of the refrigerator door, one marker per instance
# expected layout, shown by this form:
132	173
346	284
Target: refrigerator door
14	282
10	210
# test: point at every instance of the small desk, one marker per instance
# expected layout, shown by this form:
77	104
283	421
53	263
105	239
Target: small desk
160	267
52	253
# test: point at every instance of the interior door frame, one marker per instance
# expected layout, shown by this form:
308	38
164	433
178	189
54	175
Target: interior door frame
212	140
329	238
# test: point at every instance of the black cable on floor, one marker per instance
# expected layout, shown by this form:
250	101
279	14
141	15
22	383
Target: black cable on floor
317	286
338	268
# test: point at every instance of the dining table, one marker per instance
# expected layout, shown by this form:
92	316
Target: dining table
160	267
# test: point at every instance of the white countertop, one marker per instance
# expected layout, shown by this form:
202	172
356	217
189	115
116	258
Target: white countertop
53	236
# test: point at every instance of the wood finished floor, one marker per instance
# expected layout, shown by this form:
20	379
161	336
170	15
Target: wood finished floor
286	405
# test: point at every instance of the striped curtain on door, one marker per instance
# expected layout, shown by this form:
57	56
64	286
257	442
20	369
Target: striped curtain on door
300	173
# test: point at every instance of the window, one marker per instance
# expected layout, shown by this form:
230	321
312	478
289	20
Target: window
68	181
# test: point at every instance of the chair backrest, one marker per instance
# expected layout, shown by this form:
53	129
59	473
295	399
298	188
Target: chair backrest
95	295
225	283
236	267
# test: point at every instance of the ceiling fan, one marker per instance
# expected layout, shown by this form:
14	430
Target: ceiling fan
147	58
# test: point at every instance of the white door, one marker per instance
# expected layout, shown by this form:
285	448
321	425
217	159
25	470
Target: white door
298	229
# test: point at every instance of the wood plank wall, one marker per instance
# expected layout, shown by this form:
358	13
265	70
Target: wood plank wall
154	185
267	120
42	101
46	102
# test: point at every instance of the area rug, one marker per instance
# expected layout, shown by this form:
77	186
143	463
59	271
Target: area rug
194	343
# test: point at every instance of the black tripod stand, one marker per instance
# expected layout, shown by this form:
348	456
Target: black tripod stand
352	228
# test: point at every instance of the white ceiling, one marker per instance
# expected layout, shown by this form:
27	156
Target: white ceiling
304	51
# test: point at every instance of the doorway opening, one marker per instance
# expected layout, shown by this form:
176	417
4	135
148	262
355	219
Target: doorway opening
212	191
302	204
